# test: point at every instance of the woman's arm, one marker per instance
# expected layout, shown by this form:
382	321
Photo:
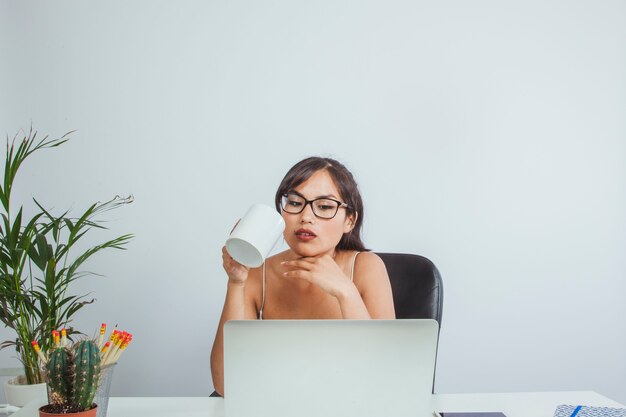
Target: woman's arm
238	305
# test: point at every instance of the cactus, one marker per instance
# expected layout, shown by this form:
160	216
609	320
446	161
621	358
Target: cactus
60	375
74	374
87	373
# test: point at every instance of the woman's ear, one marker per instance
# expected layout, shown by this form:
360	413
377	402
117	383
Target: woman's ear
350	222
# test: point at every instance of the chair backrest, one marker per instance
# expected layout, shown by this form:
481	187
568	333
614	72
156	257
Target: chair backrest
416	286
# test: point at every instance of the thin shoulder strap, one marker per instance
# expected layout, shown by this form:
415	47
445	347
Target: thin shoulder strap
353	263
262	295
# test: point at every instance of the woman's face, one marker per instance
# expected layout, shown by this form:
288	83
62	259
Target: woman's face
308	235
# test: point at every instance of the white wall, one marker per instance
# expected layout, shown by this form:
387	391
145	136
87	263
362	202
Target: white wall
488	136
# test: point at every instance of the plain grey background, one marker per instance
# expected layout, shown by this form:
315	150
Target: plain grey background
489	136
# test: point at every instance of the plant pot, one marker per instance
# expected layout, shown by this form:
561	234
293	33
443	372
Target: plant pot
87	413
19	393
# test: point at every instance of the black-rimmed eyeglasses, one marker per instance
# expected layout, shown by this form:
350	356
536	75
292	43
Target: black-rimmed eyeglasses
323	207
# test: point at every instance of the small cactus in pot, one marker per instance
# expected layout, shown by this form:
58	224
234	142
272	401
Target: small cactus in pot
73	377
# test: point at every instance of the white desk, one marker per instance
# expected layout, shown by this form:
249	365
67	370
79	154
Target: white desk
532	404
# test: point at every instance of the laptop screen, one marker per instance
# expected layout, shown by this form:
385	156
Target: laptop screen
343	368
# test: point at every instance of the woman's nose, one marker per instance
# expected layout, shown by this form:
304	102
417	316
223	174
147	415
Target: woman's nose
307	214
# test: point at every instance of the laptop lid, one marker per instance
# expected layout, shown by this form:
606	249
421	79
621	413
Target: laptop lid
329	368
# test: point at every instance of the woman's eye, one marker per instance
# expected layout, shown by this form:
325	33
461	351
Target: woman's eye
325	207
294	203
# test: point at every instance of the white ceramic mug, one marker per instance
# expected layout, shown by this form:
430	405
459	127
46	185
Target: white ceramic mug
255	235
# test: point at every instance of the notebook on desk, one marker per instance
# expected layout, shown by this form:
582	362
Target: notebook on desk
329	368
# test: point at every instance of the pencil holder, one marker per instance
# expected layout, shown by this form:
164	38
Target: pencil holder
102	394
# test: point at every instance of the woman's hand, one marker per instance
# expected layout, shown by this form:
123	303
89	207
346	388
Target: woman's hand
322	271
237	273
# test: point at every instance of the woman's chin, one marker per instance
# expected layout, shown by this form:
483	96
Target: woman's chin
302	251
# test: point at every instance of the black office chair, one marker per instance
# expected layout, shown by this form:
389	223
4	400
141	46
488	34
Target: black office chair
416	286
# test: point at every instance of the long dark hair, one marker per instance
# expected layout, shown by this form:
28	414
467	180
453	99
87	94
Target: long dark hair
346	184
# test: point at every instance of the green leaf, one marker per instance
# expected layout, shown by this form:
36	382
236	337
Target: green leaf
15	230
41	255
51	277
117	243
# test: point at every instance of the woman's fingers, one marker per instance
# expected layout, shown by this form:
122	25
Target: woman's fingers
226	258
302	268
235	271
298	273
302	263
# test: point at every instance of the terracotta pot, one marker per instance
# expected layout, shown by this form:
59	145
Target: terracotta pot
87	413
19	393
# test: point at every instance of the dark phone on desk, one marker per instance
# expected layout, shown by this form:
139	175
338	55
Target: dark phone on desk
470	414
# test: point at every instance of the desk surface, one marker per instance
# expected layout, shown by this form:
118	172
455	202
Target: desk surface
522	404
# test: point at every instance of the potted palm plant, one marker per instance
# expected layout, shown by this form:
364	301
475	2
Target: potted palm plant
39	260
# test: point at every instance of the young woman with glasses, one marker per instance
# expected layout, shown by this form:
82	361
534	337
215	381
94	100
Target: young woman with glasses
325	274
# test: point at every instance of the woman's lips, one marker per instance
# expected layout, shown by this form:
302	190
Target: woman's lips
305	235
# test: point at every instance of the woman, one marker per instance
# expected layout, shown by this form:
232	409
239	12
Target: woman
325	274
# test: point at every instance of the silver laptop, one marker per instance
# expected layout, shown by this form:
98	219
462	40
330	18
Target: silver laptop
329	368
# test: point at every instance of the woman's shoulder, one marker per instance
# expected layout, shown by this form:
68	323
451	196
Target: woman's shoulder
359	260
366	258
368	266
